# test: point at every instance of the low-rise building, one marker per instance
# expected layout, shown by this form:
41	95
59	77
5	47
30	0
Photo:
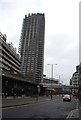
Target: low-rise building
48	80
51	85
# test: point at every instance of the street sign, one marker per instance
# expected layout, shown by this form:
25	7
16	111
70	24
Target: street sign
38	86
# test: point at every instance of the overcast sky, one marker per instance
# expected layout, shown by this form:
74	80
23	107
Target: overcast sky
61	31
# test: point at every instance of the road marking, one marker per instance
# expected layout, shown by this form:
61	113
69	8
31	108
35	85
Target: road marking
71	114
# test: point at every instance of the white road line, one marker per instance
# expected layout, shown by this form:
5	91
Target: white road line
70	115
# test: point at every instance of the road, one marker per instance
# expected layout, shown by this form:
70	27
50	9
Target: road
45	109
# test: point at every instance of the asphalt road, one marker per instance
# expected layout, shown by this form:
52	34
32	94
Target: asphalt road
46	109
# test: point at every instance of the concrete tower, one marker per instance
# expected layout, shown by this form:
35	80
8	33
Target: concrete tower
31	47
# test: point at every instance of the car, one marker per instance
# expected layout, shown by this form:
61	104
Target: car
67	97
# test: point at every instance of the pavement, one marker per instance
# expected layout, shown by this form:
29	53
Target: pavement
17	101
80	109
75	113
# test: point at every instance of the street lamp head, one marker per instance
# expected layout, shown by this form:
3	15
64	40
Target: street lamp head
48	64
62	74
52	64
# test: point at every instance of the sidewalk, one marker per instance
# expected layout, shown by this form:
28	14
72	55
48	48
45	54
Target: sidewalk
11	101
76	113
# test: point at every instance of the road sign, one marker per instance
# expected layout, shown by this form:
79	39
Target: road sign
38	86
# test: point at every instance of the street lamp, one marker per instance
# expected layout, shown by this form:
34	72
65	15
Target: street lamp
51	76
62	88
59	82
60	77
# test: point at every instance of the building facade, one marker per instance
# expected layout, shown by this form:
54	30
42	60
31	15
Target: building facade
75	77
48	80
31	47
9	59
74	81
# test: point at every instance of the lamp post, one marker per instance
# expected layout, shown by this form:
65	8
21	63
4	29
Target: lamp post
51	76
62	88
60	77
59	82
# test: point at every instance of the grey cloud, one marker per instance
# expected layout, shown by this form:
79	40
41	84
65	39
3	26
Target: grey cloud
63	50
58	46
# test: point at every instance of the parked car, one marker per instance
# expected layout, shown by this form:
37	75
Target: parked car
67	97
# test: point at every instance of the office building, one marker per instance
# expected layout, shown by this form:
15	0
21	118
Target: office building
31	47
75	77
